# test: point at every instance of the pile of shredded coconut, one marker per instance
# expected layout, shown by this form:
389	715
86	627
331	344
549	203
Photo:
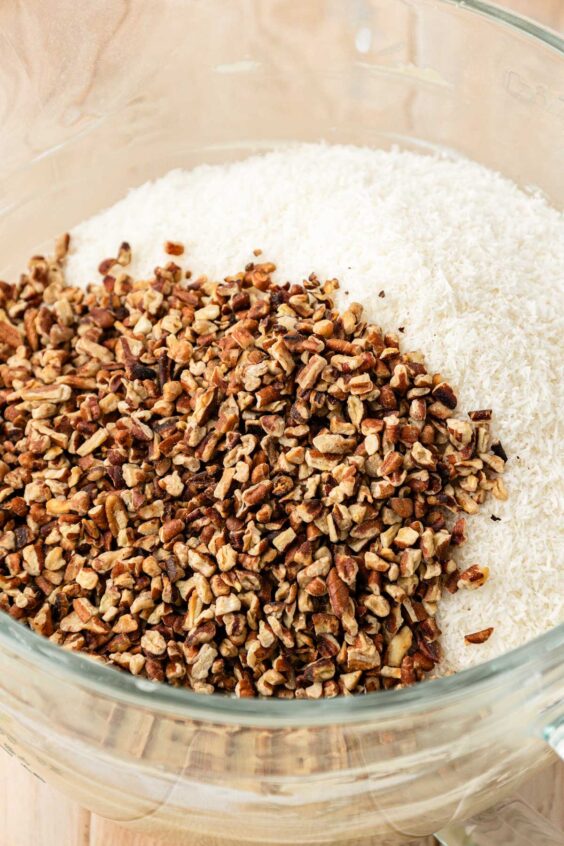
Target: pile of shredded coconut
472	270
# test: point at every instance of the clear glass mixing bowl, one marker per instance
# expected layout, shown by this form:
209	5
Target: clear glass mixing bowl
98	96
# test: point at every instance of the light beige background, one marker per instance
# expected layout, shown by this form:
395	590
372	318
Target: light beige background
32	814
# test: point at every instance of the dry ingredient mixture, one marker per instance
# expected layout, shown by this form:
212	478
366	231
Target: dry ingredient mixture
230	486
470	269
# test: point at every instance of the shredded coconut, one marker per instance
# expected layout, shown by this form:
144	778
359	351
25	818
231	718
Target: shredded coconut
471	268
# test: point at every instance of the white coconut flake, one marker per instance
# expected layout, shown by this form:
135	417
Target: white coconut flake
472	268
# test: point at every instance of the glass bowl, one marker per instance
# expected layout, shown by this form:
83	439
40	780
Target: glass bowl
99	97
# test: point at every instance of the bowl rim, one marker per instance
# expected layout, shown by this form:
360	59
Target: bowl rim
512	671
522	23
511	668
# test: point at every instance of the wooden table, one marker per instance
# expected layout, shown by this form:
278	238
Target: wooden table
33	814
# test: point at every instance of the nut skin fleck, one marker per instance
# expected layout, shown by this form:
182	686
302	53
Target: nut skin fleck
173	248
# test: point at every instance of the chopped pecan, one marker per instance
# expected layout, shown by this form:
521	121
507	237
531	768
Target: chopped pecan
229	486
479	637
473	577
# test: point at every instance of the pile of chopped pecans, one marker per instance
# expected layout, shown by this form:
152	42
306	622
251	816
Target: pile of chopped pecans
229	486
